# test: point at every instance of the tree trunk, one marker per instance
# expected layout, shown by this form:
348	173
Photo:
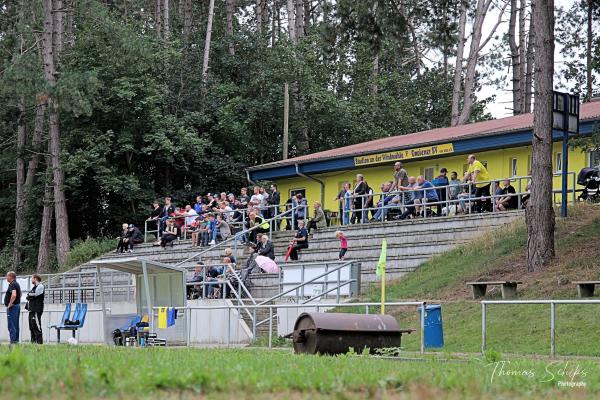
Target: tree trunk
158	17
299	19
211	11
229	10
274	21
375	75
166	29
25	181
307	16
51	47
188	18
291	16
522	53
540	211
469	85
46	230
530	64
19	211
259	15
588	52
514	57
458	69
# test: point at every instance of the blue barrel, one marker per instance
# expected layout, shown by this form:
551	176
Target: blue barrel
434	329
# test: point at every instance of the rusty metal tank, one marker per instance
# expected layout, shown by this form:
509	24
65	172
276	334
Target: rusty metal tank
337	333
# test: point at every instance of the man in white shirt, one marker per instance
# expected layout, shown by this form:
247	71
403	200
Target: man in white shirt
191	215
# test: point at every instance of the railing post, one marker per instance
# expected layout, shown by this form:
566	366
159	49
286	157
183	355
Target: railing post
188	322
422	328
228	326
270	326
254	323
367	309
552	329
337	296
482	328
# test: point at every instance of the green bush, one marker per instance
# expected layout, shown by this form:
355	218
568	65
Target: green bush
84	251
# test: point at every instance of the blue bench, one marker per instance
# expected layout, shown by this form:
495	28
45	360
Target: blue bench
78	315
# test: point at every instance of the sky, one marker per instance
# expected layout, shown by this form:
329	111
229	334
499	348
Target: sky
501	106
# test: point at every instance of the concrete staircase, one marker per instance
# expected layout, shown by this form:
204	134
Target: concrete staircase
410	243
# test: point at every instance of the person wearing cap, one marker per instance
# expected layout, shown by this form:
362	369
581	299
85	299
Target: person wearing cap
134	236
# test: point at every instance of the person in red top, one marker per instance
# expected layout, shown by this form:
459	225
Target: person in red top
343	244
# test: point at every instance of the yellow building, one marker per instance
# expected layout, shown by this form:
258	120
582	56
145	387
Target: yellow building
503	145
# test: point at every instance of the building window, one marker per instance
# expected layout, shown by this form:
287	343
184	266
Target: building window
428	173
594	159
513	167
558	163
294	192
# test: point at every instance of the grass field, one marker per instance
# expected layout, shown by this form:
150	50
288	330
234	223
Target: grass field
523	329
64	371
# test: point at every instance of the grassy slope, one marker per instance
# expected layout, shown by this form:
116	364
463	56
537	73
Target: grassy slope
90	371
500	255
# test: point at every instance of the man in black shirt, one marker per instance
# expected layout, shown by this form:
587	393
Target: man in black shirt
273	201
35	305
12	301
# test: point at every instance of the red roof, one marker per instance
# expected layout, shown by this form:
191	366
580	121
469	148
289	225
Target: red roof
587	111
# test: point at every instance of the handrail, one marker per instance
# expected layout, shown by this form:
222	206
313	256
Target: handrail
236	236
280	295
552	304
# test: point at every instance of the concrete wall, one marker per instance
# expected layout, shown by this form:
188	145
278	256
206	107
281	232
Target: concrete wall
211	326
92	331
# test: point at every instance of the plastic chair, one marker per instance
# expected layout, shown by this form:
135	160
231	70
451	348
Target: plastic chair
78	315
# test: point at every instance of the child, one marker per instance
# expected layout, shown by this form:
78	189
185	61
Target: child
343	244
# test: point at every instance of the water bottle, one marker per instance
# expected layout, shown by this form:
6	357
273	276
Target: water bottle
142	341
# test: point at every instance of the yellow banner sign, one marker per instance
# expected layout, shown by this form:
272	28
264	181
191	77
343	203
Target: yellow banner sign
401	155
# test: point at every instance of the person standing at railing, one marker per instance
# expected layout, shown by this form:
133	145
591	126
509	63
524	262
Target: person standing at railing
301	239
257	200
35	306
273	202
301	208
400	177
12	302
479	177
441	181
264	204
157	211
341	199
244	198
360	200
198	205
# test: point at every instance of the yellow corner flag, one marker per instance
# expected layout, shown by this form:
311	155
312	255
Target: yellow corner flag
381	272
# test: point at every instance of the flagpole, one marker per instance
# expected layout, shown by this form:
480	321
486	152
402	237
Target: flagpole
383	292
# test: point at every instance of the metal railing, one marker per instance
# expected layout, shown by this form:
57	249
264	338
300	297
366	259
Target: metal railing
234	239
235	222
80	287
552	304
188	309
461	196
